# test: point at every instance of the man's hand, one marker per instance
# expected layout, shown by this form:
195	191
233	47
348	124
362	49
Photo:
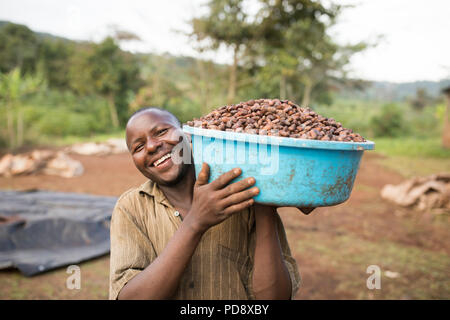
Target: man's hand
214	202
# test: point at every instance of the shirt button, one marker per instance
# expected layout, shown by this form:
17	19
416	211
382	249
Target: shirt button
176	214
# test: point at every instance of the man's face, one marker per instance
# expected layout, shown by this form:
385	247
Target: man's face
151	136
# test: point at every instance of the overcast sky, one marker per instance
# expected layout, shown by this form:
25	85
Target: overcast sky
415	46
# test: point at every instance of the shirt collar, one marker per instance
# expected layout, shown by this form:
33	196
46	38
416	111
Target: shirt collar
151	189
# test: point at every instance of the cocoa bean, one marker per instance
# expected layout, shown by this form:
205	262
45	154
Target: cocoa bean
276	117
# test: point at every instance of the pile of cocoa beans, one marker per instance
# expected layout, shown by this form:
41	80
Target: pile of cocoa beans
274	117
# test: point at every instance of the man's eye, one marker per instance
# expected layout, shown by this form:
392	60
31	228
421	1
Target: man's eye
161	132
138	148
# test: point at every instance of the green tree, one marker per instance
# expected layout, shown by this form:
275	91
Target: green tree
209	83
225	24
296	49
166	87
18	48
54	62
325	65
421	99
389	122
14	88
80	79
106	70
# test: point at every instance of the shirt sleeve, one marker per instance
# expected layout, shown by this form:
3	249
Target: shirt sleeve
131	250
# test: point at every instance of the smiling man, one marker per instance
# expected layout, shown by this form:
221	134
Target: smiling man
178	237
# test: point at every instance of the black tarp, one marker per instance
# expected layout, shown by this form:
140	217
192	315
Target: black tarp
44	230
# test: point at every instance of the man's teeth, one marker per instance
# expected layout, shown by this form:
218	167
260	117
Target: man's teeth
157	162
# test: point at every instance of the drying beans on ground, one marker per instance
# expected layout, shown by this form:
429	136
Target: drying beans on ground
274	117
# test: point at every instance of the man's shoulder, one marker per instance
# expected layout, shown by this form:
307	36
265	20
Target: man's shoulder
133	195
128	195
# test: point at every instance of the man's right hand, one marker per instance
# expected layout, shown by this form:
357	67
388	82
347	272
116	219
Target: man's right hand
214	202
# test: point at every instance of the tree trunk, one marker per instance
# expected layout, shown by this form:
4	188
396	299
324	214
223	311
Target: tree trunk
10	125
233	77
289	92
283	87
113	111
19	128
446	130
307	93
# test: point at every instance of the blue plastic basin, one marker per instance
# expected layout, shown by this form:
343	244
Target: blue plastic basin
288	171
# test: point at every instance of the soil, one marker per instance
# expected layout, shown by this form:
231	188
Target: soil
333	246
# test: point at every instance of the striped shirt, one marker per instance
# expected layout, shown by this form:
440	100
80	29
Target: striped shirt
221	267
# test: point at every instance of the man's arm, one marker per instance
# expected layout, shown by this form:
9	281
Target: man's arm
212	204
160	279
271	278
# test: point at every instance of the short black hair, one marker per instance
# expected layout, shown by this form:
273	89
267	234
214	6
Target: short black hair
144	109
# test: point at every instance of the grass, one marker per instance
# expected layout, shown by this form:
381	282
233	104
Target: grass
423	274
52	285
410	167
412	147
413	156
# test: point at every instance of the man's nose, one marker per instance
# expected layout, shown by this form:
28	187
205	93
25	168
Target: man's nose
152	145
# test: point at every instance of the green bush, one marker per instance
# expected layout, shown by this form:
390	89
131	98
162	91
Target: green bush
64	113
353	114
369	118
412	147
389	122
424	123
52	114
63	122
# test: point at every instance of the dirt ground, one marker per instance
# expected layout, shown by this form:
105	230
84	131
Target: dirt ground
333	246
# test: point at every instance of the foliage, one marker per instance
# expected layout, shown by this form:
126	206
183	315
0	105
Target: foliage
18	48
359	115
226	24
107	71
295	48
51	115
412	147
86	68
389	122
54	62
421	99
14	88
168	96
